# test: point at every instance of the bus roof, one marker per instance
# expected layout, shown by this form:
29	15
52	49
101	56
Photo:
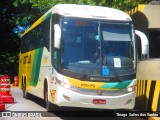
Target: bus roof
88	11
83	11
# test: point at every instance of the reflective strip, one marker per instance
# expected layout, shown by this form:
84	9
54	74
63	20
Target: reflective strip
5	80
1	84
4	89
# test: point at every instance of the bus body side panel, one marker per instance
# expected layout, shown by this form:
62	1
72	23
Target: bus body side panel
35	66
40	72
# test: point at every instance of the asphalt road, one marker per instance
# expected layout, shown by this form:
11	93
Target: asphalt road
33	109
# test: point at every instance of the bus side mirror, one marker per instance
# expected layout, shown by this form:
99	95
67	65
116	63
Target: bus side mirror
57	36
144	42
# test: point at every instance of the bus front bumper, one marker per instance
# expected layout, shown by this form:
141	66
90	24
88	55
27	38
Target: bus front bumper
65	97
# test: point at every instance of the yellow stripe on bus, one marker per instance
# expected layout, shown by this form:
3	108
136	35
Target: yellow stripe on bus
84	84
34	25
99	85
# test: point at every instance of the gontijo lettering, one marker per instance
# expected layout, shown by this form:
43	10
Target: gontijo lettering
27	59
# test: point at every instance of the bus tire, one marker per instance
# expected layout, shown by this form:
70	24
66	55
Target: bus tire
47	103
25	94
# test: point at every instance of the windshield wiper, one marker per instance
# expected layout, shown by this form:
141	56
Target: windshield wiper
90	68
84	75
94	57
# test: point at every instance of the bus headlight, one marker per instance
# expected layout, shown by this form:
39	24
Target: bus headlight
66	85
131	88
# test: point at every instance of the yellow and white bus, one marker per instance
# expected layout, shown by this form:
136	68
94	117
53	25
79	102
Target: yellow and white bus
81	56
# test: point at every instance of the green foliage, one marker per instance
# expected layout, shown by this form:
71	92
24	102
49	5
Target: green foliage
8	62
144	1
124	5
9	41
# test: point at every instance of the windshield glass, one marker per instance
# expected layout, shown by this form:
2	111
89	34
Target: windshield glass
96	48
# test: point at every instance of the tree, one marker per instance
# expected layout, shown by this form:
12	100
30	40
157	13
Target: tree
9	42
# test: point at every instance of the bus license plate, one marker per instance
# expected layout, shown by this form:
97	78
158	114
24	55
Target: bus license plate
99	101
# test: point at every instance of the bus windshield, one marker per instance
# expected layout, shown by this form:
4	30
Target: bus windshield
97	48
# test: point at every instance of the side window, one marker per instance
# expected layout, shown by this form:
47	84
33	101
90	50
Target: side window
44	38
37	38
25	43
